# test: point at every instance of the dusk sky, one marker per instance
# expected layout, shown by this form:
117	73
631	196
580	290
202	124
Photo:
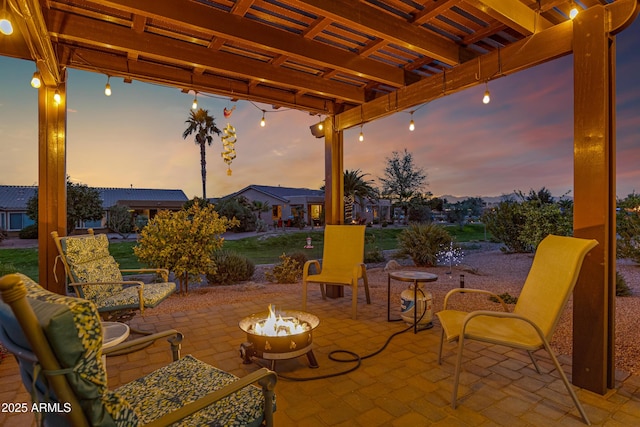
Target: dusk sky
523	139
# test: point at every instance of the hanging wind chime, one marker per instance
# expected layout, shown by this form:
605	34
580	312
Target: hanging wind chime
228	141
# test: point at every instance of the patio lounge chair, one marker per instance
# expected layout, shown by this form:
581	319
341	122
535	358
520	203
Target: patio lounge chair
57	341
342	263
94	275
531	325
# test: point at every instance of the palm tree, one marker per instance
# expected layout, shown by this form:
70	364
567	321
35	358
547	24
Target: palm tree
204	127
357	187
259	206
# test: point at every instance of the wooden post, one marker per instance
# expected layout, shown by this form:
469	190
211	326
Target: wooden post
334	185
594	199
52	183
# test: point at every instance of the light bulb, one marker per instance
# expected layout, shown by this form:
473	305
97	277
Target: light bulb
5	27
195	102
574	11
487	98
412	125
320	126
56	97
35	80
263	122
107	87
361	136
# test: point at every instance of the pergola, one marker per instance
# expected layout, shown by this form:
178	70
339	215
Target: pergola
351	62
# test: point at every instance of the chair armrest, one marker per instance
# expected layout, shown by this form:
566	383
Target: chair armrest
123	282
175	339
163	271
359	268
266	378
502	314
308	264
472	291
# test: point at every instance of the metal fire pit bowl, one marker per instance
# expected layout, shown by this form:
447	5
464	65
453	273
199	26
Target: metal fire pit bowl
282	347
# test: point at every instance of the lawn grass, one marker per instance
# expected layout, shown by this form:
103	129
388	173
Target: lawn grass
261	249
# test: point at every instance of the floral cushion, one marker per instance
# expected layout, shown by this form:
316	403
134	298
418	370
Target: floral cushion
74	331
153	294
184	381
90	261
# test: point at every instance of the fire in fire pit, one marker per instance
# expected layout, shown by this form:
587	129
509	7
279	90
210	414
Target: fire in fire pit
284	335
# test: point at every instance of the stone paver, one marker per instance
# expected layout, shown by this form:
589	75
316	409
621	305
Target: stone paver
401	386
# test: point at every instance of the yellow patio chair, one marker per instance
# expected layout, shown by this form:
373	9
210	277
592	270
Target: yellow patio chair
531	325
342	263
95	275
57	341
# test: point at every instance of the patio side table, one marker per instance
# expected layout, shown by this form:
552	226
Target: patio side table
113	333
414	277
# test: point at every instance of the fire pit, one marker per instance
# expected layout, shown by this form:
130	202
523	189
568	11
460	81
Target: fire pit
273	337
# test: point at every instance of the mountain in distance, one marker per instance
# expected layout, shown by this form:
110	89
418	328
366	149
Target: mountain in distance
490	200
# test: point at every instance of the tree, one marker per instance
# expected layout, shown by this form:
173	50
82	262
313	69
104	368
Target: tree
260	207
238	208
121	220
402	179
183	242
83	204
204	126
356	187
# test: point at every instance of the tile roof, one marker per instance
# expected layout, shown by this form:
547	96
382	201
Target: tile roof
15	197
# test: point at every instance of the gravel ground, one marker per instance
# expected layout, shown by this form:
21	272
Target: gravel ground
485	267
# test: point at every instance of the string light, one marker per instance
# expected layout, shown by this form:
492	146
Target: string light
263	122
194	106
6	27
320	125
107	87
36	82
56	97
361	136
412	125
487	96
573	12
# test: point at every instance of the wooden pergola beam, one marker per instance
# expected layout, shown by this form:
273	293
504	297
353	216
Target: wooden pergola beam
84	30
538	48
251	33
514	14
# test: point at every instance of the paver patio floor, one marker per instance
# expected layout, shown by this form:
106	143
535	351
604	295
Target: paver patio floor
401	386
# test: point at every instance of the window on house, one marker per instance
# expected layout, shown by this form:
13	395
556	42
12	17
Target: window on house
18	221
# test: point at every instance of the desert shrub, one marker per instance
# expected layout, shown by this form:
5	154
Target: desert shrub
230	267
373	255
287	271
29	232
505	222
622	289
506	297
422	242
300	257
183	242
628	228
240	209
141	221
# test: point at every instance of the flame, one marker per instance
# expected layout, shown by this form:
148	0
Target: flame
274	326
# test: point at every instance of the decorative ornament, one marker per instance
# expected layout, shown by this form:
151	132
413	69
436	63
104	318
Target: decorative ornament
227	112
450	256
228	144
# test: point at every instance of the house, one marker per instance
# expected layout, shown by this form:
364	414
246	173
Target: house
142	201
286	203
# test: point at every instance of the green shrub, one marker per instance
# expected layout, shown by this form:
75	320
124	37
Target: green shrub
288	271
622	289
422	242
506	297
505	223
29	232
628	228
373	255
230	268
300	257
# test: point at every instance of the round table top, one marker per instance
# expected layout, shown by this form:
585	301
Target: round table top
413	276
114	333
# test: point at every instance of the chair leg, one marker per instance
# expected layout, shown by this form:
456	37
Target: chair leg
323	291
535	363
304	294
567	384
440	348
456	378
366	286
354	300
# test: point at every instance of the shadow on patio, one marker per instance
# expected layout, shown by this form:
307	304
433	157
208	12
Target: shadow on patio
402	386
